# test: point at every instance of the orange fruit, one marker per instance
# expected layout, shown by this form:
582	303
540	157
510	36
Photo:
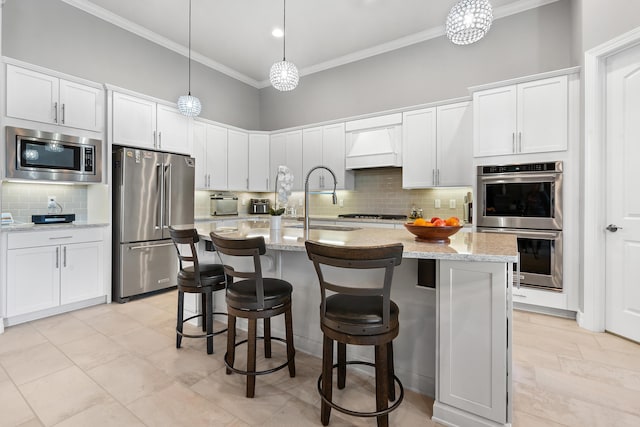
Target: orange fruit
419	221
439	223
428	224
452	221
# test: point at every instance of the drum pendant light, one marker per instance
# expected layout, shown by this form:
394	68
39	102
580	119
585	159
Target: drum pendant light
469	21
284	74
187	104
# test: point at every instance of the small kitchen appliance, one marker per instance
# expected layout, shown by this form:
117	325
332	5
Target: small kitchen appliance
259	206
53	218
224	204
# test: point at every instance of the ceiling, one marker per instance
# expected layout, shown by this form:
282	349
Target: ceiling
234	36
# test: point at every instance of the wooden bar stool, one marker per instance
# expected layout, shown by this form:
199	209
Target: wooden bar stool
358	315
197	278
254	298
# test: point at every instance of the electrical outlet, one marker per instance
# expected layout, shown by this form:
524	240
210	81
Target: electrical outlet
436	203
452	203
341	203
51	202
244	202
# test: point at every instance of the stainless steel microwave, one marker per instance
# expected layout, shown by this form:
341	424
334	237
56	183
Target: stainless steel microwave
39	155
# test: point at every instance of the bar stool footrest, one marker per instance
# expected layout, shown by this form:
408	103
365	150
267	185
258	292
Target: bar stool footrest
182	334
264	372
356	413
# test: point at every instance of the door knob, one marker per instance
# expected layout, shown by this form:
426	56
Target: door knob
613	228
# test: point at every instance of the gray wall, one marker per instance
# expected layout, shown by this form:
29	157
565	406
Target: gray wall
604	20
527	43
54	35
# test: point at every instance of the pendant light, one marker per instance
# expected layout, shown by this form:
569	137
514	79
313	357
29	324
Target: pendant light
469	21
189	105
284	74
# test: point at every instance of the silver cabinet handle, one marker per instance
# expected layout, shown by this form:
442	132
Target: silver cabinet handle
62	113
57	257
64	256
247	187
433	176
154	139
55	112
613	228
267	183
437	176
513	142
519	142
159	139
61	237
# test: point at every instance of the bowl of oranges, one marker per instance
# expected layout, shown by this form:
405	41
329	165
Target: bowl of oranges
436	230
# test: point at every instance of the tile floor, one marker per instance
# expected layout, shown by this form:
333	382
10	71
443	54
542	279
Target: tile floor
117	365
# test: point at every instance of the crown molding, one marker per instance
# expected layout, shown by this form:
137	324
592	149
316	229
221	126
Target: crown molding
431	33
143	32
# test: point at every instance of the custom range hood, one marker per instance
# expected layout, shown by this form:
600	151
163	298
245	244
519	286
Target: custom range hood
374	142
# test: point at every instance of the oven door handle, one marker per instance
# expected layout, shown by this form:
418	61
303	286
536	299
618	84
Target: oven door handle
523	233
524	177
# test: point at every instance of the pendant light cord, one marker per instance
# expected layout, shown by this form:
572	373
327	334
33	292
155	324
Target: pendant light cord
189	47
284	31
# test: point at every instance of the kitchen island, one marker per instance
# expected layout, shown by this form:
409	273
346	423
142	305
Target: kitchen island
454	342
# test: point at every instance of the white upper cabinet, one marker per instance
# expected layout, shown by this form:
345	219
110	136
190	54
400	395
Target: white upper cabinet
529	117
210	151
286	150
436	146
259	179
143	123
419	148
325	146
238	161
43	98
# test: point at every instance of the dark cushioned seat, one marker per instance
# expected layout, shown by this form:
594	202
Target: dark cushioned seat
358	309
243	293
210	275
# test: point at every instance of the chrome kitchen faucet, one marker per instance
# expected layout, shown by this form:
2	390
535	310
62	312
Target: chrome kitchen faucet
306	195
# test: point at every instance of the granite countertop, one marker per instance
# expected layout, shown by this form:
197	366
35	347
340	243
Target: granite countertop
491	247
10	228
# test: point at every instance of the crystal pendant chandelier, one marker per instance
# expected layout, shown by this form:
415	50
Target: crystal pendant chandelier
284	74
469	21
187	104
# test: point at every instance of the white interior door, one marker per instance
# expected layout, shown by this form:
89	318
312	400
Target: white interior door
623	202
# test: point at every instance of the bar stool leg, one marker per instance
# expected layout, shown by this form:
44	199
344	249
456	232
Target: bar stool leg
207	312
342	365
327	379
267	337
382	384
179	317
392	372
203	303
231	341
251	358
288	325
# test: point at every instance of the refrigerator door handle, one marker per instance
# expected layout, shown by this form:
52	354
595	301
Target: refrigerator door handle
167	195
160	182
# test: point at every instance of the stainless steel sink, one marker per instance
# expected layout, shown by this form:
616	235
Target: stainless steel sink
325	227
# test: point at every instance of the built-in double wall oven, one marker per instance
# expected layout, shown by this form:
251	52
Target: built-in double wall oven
526	200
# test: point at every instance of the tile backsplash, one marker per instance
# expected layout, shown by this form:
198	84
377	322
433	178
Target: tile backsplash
25	199
377	191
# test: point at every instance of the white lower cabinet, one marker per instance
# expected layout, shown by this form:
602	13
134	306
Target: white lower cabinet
50	269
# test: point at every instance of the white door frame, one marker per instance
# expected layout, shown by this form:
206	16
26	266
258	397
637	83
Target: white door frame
592	316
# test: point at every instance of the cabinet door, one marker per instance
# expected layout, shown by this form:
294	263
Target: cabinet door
543	115
31	95
238	161
333	155
294	159
494	122
81	106
31	289
277	153
173	130
81	274
199	149
312	152
419	148
454	149
134	121
217	157
259	178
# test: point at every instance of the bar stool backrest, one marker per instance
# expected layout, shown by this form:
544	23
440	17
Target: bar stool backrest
249	247
385	257
188	237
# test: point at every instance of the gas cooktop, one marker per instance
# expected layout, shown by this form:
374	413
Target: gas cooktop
372	216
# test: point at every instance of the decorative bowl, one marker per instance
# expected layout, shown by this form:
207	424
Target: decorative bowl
432	234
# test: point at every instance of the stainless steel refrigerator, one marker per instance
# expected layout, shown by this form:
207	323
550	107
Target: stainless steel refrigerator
151	191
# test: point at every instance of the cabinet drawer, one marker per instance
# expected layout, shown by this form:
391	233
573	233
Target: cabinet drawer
53	237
